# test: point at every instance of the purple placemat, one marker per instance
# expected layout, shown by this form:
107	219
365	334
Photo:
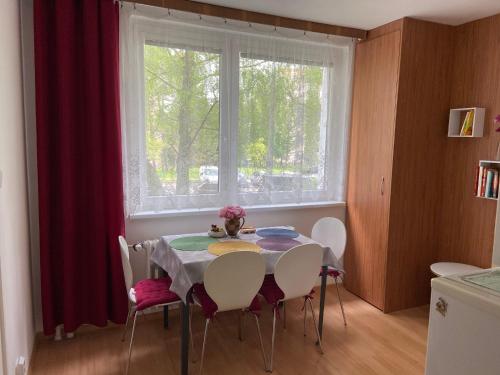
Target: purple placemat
278	243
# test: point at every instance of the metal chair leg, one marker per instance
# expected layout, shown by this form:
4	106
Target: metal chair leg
126	323
315	325
193	352
131	343
340	301
207	322
241	323
261	342
272	341
284	315
305	316
165	316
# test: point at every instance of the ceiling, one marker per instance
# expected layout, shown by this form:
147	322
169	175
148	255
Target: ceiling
367	14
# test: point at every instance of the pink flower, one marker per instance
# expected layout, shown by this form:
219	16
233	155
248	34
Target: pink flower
497	121
232	212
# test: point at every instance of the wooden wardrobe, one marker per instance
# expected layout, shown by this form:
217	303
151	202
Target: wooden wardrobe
400	109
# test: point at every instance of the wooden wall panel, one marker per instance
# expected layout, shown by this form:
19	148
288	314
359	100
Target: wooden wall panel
434	215
373	117
467	223
420	140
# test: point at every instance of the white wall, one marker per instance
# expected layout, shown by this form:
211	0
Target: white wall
15	271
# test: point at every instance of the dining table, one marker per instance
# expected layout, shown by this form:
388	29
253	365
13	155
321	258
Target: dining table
187	268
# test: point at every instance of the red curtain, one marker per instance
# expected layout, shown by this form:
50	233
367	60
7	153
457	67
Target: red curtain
79	162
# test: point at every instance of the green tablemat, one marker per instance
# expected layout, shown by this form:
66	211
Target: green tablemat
192	243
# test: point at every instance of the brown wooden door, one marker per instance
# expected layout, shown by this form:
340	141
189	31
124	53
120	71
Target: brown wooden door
376	73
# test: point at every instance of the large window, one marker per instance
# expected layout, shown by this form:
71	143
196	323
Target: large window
214	116
181	120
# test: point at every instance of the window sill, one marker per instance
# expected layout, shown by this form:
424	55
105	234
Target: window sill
205	211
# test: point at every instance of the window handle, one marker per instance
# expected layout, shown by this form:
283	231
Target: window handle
382	187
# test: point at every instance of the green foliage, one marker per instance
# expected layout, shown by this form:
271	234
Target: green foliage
279	116
256	153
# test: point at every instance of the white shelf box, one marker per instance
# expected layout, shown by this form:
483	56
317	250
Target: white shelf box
456	120
489	164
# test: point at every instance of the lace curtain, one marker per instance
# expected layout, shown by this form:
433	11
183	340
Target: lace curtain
217	112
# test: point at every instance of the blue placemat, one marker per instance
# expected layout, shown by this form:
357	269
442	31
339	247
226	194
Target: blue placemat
277	232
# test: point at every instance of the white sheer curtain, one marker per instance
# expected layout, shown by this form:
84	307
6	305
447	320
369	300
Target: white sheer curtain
218	112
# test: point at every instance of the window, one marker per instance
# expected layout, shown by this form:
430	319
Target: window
181	120
213	116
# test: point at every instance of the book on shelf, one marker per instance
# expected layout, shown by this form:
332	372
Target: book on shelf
479	180
467	124
486	182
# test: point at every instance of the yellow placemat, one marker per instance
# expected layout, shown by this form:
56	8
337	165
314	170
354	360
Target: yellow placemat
220	248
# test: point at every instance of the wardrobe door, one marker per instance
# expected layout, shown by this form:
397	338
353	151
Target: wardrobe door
376	73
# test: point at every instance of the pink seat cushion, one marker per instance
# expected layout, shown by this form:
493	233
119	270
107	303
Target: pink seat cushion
152	292
209	306
332	272
271	291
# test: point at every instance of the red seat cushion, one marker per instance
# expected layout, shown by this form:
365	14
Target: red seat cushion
209	306
152	292
271	291
332	272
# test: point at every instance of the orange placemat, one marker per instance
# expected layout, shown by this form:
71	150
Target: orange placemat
225	247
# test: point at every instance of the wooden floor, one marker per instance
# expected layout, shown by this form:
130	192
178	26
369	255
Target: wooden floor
372	343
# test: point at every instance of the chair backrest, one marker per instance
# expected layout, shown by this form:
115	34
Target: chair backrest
233	280
298	269
330	231
127	268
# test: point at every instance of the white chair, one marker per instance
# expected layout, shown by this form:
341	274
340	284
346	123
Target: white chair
231	282
295	275
331	232
145	294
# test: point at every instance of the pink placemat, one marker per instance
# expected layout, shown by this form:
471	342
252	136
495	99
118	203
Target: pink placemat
278	243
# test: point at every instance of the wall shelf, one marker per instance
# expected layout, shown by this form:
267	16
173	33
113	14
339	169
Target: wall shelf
493	164
457	116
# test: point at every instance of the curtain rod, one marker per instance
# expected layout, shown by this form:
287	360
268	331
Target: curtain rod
255	17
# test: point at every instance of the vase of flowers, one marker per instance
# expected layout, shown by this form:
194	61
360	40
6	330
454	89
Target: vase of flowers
234	219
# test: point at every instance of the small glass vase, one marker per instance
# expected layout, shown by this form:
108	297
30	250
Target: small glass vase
233	226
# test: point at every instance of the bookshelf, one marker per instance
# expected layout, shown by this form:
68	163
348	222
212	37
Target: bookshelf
457	117
486	164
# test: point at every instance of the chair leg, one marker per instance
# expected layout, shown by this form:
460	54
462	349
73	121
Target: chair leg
241	323
315	325
305	316
284	315
193	352
261	343
131	343
272	340
207	322
130	310
340	301
165	316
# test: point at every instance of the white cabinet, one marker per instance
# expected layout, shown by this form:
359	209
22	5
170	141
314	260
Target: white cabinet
464	329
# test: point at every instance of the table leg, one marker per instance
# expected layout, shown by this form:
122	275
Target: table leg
324	275
185	338
163	273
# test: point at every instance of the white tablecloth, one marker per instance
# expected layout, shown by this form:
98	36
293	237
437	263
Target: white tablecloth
188	267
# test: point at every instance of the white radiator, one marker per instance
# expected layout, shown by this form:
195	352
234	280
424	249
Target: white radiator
146	248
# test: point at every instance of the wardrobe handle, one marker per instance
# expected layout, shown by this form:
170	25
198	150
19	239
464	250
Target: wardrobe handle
382	183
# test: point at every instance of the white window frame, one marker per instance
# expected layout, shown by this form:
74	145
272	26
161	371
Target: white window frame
142	30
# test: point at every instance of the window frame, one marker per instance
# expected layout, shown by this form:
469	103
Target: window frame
144	30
